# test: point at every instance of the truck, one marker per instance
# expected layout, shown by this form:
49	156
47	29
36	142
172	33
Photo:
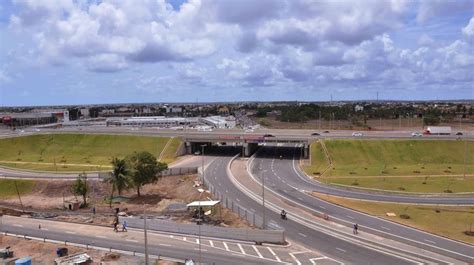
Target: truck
438	130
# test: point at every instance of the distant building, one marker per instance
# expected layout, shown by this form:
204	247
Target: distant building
219	122
359	108
152	121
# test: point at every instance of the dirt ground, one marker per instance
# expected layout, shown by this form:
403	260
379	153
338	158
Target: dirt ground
47	199
45	253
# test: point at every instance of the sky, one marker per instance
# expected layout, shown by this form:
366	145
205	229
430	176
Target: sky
57	52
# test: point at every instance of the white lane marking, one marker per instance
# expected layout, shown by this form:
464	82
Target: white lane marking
17	225
238	255
237	199
386	228
258	252
274	254
301	234
211	243
340	249
283	181
429	241
227	191
349	216
70	232
241	249
293	256
252	209
101	236
171	236
132	240
45	229
285	191
225	245
322	207
299	198
197	241
184	239
165	245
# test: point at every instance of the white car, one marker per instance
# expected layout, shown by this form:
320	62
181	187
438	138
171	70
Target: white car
249	130
416	134
37	130
357	134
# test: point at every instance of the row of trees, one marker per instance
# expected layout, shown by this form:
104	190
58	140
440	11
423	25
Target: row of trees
131	172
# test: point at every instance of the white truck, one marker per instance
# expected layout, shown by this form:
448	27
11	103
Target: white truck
438	130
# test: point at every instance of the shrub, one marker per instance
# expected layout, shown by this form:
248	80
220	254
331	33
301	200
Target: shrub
401	188
404	216
448	191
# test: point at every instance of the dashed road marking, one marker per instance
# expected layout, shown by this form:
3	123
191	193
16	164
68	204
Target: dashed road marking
241	249
349	216
184	239
45	229
225	245
171	236
131	240
164	245
301	234
70	232
386	228
340	249
299	198
211	243
322	207
197	241
258	252
274	254
17	225
201	249
101	236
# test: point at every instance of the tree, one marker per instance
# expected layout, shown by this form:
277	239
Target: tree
144	169
80	187
119	178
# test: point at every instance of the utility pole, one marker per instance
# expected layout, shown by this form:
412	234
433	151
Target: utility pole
19	197
145	231
263	198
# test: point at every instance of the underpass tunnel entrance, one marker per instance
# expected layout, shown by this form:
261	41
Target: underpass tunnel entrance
247	149
284	151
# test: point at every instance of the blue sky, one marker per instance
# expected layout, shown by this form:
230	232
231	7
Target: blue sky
112	51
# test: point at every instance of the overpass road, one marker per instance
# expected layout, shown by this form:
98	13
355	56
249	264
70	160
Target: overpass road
336	244
284	179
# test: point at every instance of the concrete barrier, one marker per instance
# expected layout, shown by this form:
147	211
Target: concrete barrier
242	234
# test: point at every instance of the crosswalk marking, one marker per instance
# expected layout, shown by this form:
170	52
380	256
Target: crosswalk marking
241	249
258	252
211	243
274	254
226	247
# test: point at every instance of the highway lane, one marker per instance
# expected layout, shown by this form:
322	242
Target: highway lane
132	241
330	245
283	174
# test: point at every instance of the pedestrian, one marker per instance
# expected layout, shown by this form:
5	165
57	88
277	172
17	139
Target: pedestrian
124	226
93	210
356	227
39	226
115	226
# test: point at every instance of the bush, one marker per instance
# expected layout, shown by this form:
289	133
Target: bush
404	216
316	173
384	172
469	233
352	173
401	188
448	191
416	171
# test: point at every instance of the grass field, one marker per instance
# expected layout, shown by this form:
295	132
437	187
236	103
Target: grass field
393	158
8	190
78	152
450	221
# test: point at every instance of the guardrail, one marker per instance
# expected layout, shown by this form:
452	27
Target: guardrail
241	234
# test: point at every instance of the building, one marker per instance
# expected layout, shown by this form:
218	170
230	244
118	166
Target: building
219	122
152	121
30	118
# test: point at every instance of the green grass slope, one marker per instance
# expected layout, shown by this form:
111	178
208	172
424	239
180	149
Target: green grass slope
395	157
77	152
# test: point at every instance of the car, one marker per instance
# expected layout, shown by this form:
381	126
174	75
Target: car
315	134
459	133
197	153
249	130
416	134
269	135
37	130
326	132
357	134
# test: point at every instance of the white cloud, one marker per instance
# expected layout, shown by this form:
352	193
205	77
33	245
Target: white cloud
468	30
429	9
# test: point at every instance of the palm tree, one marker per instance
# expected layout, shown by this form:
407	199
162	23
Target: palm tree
119	178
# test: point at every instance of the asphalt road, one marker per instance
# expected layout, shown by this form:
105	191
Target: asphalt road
132	241
333	245
284	179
